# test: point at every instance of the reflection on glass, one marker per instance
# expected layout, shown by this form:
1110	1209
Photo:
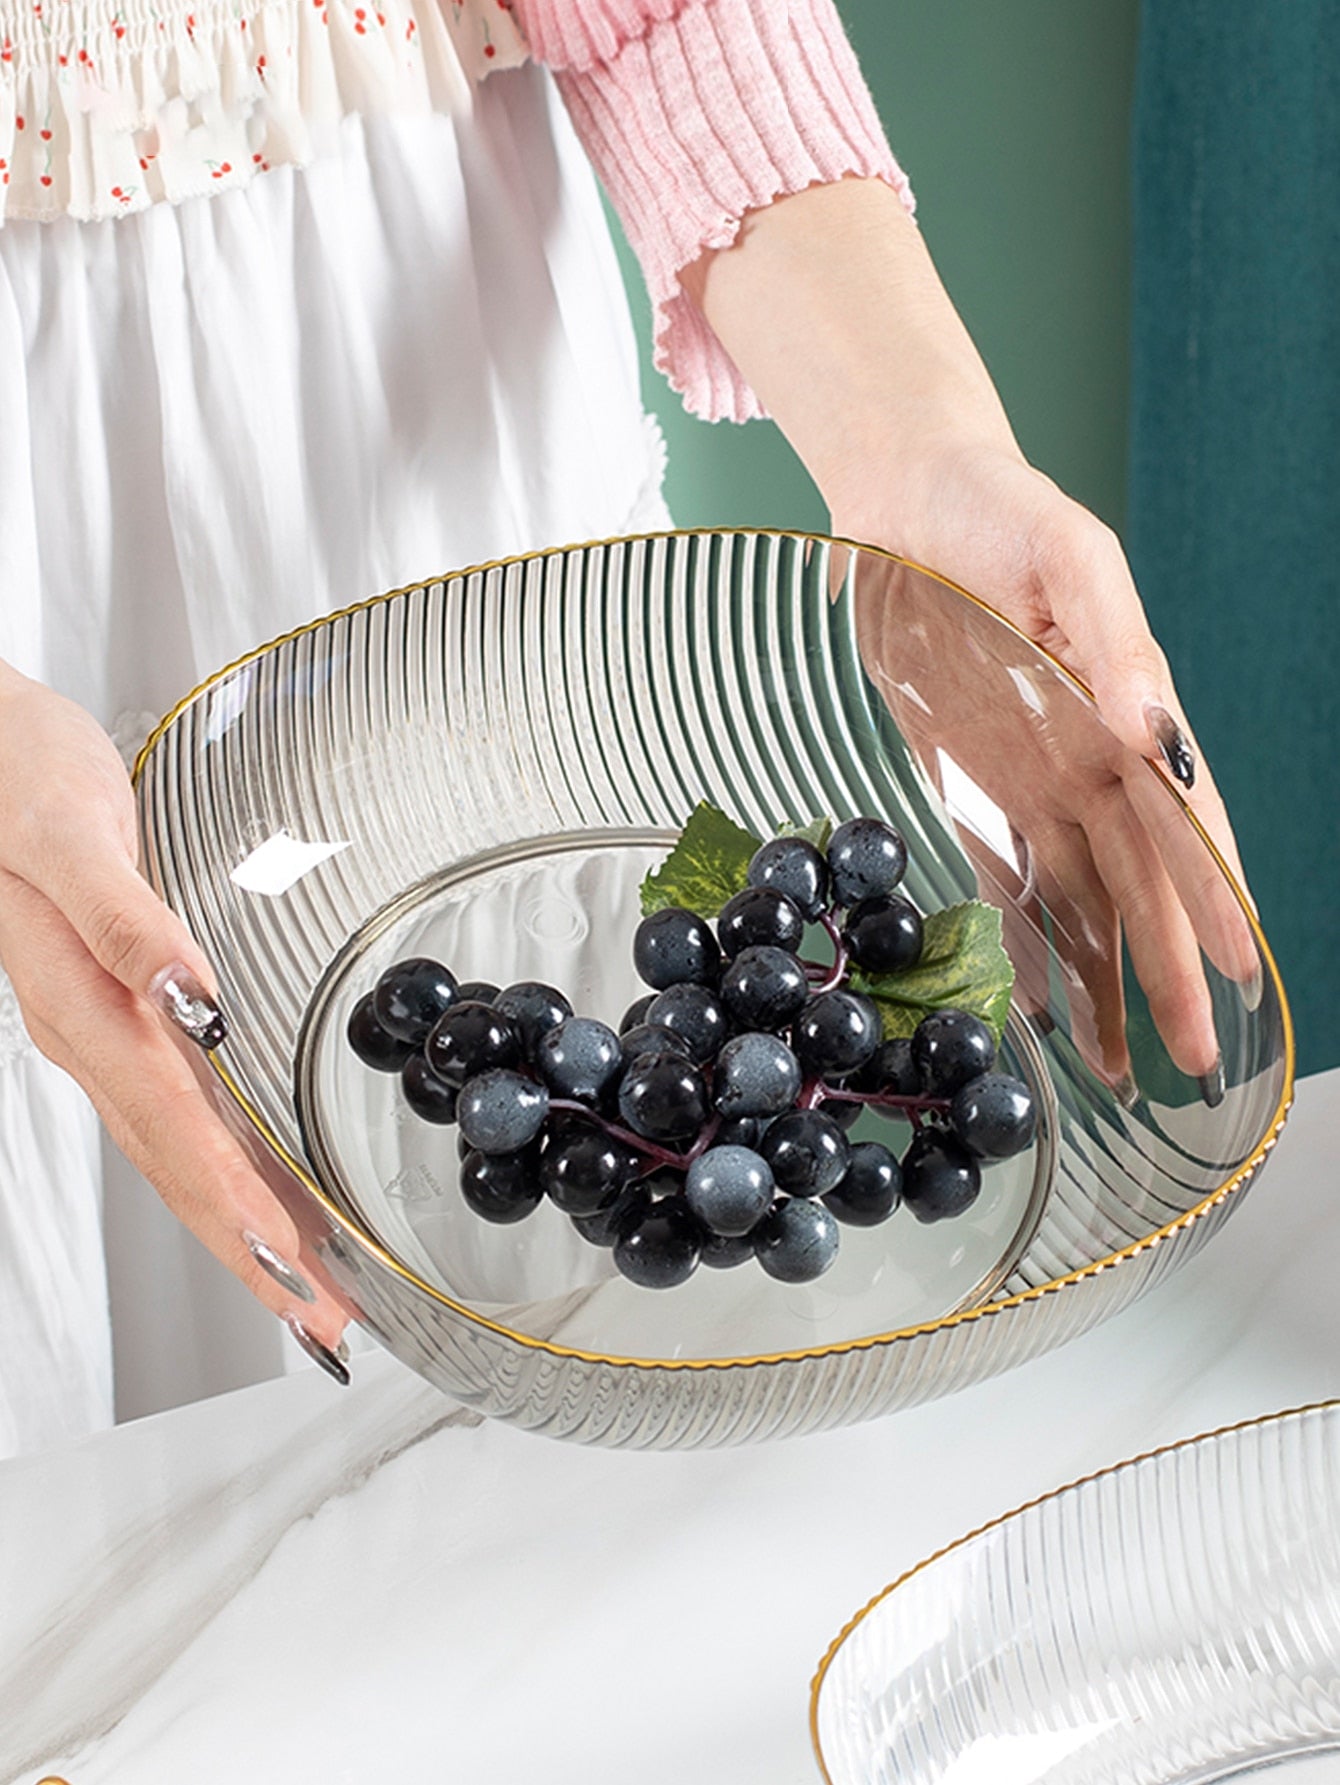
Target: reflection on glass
501	753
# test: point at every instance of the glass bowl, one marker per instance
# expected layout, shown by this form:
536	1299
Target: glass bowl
1171	1621
481	768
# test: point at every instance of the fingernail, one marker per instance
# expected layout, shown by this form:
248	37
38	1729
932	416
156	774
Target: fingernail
1253	989
331	1361
342	1351
1043	1021
279	1268
1212	1084
1126	1091
1172	744
184	1001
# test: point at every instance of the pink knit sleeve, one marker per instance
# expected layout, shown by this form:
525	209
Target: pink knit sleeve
694	113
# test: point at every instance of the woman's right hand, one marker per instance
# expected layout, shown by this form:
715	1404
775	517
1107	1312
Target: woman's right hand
97	962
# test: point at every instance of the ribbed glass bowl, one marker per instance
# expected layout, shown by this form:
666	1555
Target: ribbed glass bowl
483	767
1172	1621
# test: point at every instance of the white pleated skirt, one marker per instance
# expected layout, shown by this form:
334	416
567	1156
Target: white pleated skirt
218	420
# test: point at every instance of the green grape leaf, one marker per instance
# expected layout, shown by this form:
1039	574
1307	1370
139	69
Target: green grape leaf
963	966
706	867
818	831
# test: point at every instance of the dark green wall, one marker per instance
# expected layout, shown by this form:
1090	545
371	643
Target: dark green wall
1234	522
1013	122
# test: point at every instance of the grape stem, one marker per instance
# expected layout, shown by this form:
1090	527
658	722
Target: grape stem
816	1091
813	1092
837	973
654	1154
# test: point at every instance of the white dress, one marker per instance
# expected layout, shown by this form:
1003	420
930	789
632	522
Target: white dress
391	342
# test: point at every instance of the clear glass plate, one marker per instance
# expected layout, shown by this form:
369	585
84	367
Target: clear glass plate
483	766
1172	1621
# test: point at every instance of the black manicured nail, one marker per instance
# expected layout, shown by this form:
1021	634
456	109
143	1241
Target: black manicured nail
1212	1085
1126	1091
278	1267
184	1001
1172	745
1043	1022
319	1353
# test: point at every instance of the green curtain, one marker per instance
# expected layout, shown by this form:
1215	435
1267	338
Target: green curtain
1234	493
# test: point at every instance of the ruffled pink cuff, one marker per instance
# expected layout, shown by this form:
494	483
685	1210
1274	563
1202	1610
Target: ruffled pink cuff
694	113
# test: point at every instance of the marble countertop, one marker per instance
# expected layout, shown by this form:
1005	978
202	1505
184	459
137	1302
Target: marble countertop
296	1583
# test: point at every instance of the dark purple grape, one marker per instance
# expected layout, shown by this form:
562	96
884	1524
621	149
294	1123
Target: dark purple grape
949	1047
502	1187
794	867
694	1012
835	1034
940	1177
411	995
807	1151
629	1207
739	1131
636	1013
756	1075
469	1039
890	1070
883	934
579	1058
583	1169
729	1189
650	1038
796	1241
866	858
663	1098
375	1046
661	1250
534	1007
758	917
722	1252
870	1188
764	988
993	1116
477	991
675	947
501	1112
425	1093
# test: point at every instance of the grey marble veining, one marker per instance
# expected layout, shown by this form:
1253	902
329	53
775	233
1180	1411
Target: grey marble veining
141	1575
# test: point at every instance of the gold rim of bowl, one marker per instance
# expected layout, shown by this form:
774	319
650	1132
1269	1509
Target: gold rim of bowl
1004	1518
871	1341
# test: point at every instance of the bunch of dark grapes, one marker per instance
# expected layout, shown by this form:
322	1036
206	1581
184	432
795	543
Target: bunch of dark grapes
713	1127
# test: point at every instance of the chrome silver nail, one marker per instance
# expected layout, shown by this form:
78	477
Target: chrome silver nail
1253	989
1126	1091
329	1360
342	1351
184	1001
278	1267
1172	744
1212	1084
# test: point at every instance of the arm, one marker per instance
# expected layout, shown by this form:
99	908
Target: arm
739	145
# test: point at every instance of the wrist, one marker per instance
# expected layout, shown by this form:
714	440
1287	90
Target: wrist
832	310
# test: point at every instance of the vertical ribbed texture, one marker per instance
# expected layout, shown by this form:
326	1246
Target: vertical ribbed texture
1174	1618
495	752
694	113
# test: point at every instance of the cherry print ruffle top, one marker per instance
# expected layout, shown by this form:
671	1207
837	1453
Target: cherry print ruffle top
694	112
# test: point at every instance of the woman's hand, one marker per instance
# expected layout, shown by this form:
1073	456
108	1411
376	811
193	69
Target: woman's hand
97	962
831	308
